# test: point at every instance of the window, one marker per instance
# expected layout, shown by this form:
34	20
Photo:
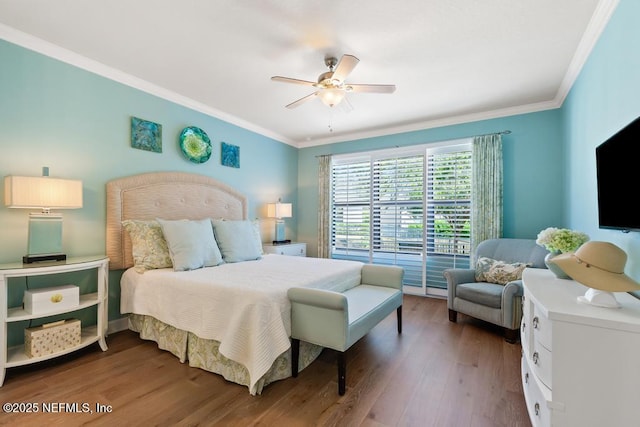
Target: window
382	203
448	204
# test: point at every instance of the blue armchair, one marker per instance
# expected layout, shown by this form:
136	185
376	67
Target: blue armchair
495	303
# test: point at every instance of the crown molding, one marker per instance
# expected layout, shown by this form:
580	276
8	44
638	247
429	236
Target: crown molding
51	50
437	123
596	26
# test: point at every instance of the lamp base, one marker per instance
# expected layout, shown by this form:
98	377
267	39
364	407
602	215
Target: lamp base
29	259
281	242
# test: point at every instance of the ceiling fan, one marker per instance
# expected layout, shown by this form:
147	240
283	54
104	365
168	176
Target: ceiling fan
331	84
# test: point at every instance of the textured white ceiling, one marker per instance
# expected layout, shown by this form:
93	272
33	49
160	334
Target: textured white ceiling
451	60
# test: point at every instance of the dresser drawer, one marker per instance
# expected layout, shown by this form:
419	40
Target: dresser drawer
525	337
541	363
525	324
541	328
537	405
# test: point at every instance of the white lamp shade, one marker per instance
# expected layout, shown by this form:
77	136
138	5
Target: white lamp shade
331	97
35	192
279	210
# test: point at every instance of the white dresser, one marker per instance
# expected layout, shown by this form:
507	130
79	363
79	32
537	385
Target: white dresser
580	364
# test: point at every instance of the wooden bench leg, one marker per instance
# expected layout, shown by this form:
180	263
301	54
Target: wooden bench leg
342	373
295	354
399	312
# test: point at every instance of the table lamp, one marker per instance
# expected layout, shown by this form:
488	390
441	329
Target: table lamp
279	211
45	227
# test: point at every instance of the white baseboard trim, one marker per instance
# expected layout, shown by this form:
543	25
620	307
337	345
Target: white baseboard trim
118	325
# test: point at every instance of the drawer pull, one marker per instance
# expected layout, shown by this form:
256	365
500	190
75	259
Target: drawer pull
535	357
535	322
536	408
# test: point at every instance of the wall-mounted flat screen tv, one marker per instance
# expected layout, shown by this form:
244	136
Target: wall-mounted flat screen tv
618	168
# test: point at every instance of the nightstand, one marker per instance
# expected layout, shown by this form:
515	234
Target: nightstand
15	355
290	249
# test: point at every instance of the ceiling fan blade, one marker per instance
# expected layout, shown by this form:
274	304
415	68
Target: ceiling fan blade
290	80
371	88
301	101
345	67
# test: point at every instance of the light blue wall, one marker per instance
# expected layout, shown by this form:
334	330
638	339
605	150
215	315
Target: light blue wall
604	99
78	124
533	170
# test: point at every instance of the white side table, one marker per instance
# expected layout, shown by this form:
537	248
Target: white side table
15	356
291	249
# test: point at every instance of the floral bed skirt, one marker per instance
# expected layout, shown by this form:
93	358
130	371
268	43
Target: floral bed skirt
203	353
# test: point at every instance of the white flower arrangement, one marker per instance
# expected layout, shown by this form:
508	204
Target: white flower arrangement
561	239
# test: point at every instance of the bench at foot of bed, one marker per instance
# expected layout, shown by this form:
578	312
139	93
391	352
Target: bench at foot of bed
337	320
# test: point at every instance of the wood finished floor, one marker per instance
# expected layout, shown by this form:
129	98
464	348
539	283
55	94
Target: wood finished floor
436	373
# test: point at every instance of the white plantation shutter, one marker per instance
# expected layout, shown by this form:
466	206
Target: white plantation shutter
389	206
449	210
398	216
351	210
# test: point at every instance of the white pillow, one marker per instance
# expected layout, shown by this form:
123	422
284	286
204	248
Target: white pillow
237	240
191	244
256	234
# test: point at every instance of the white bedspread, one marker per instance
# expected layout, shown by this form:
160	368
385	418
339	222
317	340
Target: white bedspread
242	305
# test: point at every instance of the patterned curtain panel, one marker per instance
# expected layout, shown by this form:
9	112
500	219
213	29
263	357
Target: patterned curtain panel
486	193
324	202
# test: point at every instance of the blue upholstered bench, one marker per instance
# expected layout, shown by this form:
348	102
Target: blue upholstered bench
337	320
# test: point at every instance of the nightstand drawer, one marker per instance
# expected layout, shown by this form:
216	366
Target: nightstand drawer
289	249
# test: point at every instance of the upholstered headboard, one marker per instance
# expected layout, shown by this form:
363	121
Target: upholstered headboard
167	195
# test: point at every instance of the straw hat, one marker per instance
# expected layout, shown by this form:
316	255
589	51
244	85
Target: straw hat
598	265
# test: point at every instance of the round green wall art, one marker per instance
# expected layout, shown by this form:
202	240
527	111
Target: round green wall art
195	144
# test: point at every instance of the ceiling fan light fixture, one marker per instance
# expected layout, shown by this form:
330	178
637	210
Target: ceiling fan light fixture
331	96
331	84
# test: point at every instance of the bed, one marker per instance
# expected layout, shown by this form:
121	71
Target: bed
232	317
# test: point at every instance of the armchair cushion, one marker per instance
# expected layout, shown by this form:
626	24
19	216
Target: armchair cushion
499	272
487	294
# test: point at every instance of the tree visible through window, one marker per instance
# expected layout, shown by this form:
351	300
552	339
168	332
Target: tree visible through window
410	207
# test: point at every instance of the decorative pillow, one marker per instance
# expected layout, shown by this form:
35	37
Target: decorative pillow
191	244
499	272
257	235
148	245
237	240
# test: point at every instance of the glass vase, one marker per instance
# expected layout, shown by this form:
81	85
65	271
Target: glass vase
554	268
